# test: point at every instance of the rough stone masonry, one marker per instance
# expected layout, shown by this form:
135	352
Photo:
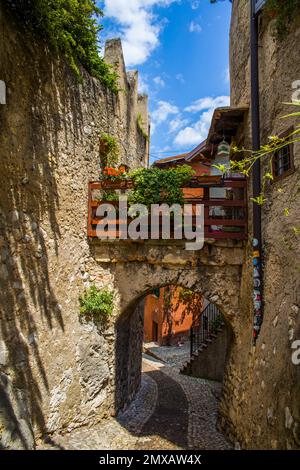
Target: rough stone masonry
58	373
55	372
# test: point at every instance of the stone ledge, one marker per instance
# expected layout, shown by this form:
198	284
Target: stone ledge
162	252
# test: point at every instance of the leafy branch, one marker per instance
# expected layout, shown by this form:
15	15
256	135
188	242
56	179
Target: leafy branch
97	302
70	27
245	165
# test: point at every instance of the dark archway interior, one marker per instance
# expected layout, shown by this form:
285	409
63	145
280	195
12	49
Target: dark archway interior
128	373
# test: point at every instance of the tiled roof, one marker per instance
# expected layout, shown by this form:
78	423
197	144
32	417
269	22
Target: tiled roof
161	161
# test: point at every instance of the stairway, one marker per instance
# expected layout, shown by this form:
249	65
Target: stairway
205	336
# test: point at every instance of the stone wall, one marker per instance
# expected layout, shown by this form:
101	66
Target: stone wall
56	372
210	363
128	353
262	388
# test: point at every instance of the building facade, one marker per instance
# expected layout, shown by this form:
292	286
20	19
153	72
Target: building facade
169	315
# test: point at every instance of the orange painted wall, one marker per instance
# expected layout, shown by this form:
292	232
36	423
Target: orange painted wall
200	170
178	325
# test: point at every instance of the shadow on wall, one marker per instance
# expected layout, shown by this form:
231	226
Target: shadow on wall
30	124
128	352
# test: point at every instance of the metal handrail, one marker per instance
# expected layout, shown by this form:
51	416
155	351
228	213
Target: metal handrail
205	325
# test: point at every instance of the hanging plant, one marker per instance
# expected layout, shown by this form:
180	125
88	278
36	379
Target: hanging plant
109	150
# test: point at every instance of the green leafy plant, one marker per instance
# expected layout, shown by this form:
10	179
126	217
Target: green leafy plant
216	323
110	196
153	185
97	302
69	27
109	150
283	12
141	125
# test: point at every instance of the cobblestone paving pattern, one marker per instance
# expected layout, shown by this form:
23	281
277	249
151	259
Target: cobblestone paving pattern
171	411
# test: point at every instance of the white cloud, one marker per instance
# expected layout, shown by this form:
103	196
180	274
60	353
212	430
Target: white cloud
193	135
163	111
226	75
208	102
177	124
139	27
142	84
194	27
179	77
159	81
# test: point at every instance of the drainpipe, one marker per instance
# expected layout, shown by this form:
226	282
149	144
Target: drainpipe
256	175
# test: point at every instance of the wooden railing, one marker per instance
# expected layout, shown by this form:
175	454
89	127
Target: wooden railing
224	200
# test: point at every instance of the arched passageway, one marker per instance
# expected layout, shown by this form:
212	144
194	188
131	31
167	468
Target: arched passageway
172	416
135	270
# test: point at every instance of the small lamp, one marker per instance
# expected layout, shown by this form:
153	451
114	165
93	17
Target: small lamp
223	149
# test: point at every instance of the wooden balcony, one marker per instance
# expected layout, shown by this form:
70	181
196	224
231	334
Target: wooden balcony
224	200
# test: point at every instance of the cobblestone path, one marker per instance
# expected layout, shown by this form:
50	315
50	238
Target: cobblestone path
171	411
170	417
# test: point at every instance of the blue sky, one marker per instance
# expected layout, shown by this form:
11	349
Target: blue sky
180	48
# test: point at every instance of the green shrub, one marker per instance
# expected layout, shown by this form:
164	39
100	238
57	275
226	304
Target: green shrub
153	185
97	302
109	196
69	27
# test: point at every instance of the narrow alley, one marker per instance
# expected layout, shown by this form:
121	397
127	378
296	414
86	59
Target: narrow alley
171	411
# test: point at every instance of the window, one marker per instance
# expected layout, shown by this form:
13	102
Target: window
283	161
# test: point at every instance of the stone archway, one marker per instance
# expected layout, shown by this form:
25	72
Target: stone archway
214	272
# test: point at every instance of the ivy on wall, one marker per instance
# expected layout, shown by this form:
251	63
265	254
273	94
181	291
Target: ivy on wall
141	126
109	150
70	27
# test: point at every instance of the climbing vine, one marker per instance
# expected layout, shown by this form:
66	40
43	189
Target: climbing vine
70	27
141	125
153	185
109	150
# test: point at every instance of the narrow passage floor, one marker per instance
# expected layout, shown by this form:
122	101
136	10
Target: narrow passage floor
171	411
